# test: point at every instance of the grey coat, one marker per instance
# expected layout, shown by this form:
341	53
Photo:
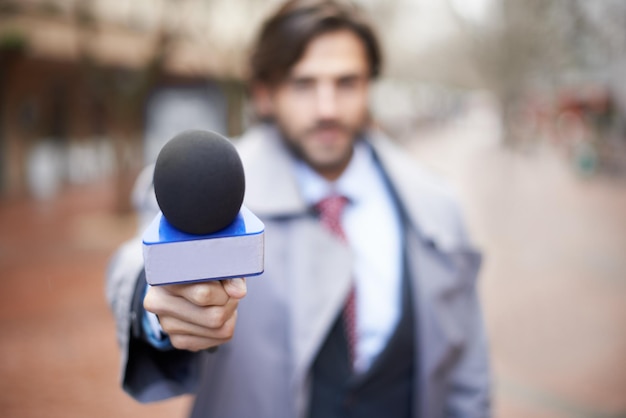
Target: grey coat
265	370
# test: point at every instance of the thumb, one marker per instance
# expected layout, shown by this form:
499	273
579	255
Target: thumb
235	288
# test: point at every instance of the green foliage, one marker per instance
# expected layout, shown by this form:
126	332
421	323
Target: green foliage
13	41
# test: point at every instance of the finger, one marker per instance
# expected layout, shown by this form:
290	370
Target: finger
157	298
173	326
193	343
196	343
183	310
210	293
213	317
162	303
235	288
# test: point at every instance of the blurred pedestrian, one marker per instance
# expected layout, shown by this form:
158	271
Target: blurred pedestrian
368	304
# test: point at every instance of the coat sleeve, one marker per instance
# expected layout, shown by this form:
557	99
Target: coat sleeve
470	381
147	374
469	390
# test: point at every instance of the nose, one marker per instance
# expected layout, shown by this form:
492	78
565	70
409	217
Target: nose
327	101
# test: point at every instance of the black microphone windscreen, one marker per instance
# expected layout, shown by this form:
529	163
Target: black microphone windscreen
199	182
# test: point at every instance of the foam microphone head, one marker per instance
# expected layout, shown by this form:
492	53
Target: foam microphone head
199	182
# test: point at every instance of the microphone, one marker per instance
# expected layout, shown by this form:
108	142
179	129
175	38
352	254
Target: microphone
203	231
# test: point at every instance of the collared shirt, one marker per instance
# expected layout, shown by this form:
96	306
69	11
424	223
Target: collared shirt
373	230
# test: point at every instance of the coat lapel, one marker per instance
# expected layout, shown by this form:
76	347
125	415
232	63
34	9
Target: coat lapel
438	277
441	263
323	265
318	262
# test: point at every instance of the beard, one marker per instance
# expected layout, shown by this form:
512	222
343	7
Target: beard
326	146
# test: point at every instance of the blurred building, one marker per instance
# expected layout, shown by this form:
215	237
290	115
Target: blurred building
81	80
94	87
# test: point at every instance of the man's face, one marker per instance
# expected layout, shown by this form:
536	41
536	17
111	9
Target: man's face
322	105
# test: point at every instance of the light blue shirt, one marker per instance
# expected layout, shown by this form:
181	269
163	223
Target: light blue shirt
373	230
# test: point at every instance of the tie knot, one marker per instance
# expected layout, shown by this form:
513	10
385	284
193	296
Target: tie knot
330	210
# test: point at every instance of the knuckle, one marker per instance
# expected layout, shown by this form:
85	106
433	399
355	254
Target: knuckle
196	346
185	342
178	341
170	327
150	302
201	294
217	318
228	330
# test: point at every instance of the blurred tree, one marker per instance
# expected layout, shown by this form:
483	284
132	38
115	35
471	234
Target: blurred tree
180	29
12	46
541	45
120	93
519	48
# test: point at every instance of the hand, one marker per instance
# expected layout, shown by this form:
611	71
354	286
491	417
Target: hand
197	316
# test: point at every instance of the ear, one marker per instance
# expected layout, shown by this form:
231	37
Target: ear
262	100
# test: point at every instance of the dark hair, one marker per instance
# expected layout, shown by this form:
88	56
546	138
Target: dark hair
286	34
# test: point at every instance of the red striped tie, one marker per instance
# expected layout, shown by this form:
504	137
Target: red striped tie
330	210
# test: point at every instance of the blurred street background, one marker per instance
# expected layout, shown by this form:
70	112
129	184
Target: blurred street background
521	105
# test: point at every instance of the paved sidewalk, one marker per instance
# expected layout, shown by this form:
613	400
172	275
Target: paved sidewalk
58	355
554	277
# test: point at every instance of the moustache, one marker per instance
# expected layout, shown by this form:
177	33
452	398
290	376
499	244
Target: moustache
328	124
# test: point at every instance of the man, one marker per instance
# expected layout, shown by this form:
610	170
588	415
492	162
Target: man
368	311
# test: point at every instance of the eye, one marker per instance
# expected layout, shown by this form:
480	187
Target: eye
302	84
349	82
